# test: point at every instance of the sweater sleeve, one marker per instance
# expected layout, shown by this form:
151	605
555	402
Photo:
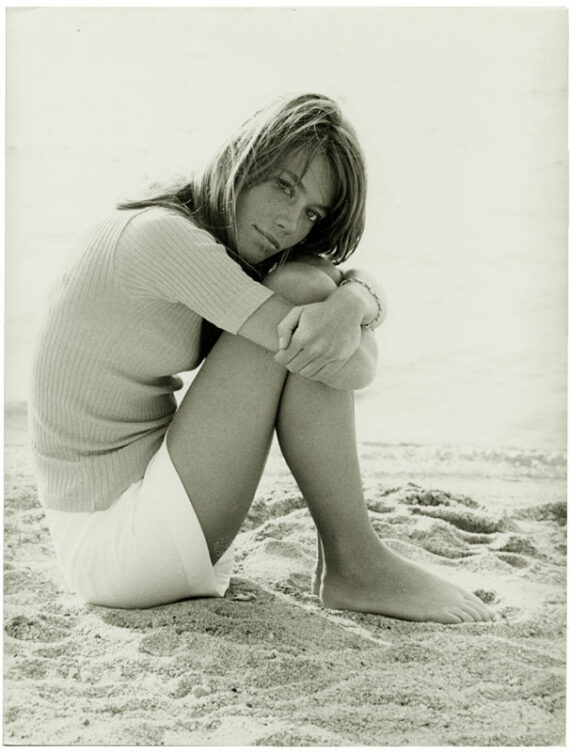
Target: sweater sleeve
163	255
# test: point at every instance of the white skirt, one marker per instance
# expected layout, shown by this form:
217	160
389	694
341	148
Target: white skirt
146	549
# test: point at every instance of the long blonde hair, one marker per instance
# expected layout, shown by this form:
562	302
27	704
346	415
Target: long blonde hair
312	123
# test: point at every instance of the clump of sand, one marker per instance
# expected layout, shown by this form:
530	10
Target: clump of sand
267	665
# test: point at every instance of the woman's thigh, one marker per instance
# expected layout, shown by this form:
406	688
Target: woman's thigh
220	436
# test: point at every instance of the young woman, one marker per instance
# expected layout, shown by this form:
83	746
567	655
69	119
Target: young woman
236	271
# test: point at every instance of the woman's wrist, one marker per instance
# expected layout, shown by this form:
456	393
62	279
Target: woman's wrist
370	302
352	301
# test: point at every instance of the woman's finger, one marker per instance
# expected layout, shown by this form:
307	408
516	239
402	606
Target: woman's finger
312	370
287	326
296	344
284	357
302	360
328	369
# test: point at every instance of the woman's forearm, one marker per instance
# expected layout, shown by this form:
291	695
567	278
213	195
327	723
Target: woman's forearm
336	317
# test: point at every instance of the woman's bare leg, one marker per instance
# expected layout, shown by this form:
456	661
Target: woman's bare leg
315	426
220	436
219	440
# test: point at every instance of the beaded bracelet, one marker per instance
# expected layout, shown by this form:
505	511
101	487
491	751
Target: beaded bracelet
372	324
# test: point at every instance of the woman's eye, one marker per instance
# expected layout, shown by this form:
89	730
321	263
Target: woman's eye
286	187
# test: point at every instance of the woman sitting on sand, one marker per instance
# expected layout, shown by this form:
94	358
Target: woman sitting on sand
143	499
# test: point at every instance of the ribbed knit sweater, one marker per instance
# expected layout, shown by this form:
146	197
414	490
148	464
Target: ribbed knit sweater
124	320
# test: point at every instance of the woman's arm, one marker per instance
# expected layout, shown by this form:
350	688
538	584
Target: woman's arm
321	340
317	360
261	326
368	300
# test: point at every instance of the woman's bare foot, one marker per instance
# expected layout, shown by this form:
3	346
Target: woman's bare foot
393	586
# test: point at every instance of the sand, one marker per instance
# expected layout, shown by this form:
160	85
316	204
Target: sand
267	665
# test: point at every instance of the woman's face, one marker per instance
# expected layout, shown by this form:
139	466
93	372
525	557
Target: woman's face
281	211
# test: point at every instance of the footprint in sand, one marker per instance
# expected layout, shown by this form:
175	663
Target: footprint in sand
40	628
163	642
458	510
442	539
460	529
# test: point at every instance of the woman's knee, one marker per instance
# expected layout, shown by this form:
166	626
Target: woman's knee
300	282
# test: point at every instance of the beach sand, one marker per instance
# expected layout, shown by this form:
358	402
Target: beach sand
267	665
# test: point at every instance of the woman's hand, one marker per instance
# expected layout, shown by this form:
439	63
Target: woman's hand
314	327
319	337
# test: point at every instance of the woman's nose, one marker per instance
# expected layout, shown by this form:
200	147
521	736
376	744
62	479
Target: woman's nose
288	219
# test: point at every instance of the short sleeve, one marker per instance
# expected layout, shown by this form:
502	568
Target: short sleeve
163	255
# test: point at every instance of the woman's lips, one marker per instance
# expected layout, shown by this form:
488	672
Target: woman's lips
269	238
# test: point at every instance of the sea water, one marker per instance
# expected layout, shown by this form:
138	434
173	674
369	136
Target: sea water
474	348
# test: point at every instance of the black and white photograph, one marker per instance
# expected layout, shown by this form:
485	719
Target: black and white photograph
285	430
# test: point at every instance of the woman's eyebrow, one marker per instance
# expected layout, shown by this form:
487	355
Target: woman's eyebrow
298	182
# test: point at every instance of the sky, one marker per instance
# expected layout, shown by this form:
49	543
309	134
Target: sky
462	116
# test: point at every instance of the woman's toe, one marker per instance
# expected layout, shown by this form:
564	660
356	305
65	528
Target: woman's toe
475	613
478	608
455	616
